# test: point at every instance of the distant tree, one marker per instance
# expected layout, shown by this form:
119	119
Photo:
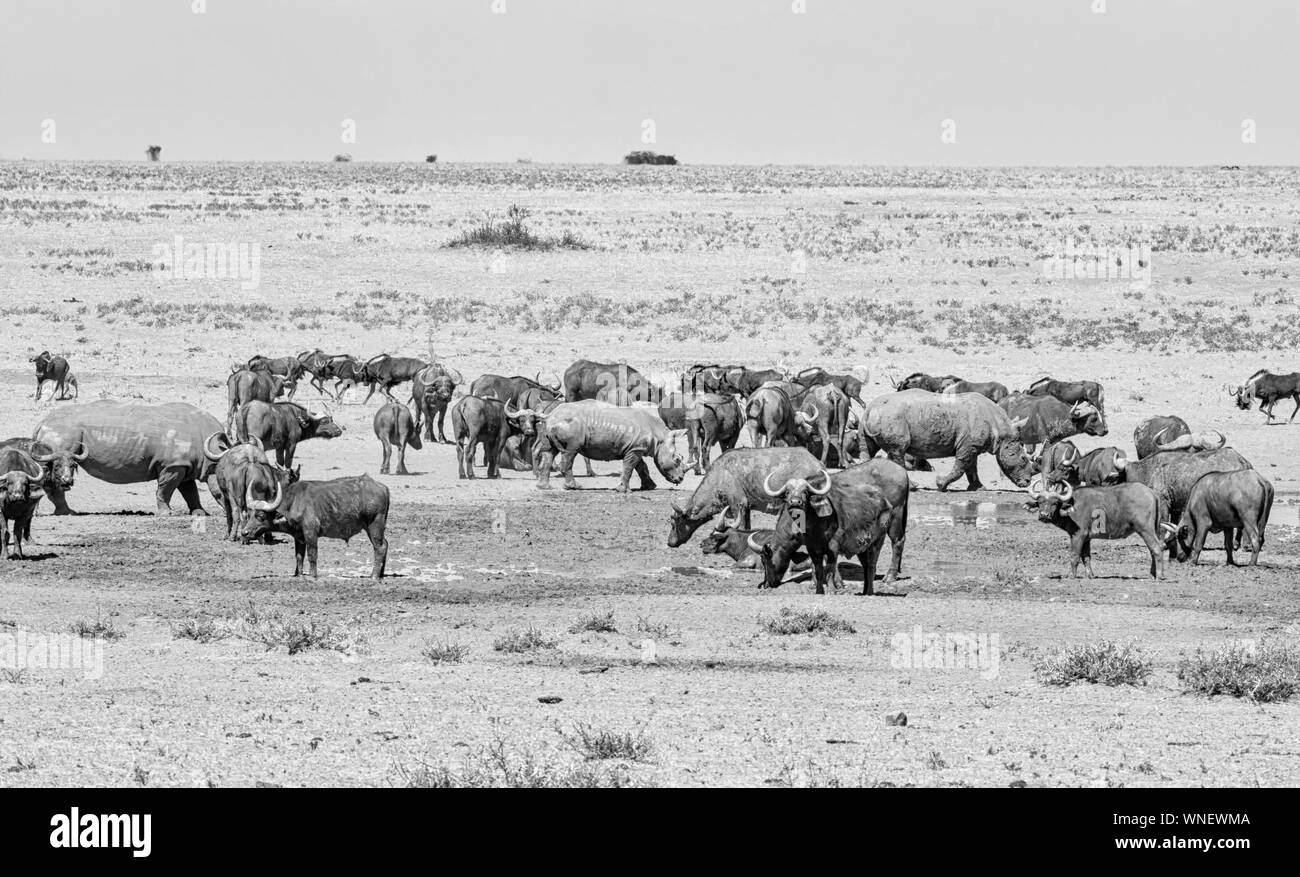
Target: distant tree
343	156
153	152
645	156
431	158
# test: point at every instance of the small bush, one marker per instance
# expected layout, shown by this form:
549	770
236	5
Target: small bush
343	156
515	641
645	156
444	653
1265	675
513	232
597	623
790	621
602	744
1107	663
656	629
204	629
496	767
431	159
97	629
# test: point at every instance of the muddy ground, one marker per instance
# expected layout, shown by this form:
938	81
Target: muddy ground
726	702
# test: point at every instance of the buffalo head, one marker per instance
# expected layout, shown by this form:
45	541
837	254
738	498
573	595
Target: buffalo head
62	465
799	494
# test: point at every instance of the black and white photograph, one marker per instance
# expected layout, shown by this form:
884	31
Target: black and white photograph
572	394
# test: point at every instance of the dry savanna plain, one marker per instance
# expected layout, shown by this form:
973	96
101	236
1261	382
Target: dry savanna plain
507	645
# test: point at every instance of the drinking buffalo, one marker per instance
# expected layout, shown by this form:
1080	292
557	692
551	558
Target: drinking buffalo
1224	502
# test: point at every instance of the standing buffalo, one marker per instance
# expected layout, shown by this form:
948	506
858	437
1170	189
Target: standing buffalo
746	381
823	412
1114	512
616	383
20	480
601	431
1171	474
1070	392
735	480
431	392
243	473
711	379
394	427
1151	432
56	369
282	425
769	417
707	418
288	368
248	385
848	513
846	384
383	372
929	425
127	443
1225	501
991	390
513	388
60	465
1269	389
338	509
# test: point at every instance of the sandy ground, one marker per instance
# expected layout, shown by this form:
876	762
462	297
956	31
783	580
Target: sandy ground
686	268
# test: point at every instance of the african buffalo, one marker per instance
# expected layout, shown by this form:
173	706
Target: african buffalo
769	417
20	480
282	425
1151	432
56	369
1048	419
242	472
991	390
1224	502
823	412
735	480
248	385
394	427
308	510
1114	512
431	392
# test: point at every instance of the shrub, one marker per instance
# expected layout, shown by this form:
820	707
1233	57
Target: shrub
790	621
1107	663
1264	675
515	641
645	156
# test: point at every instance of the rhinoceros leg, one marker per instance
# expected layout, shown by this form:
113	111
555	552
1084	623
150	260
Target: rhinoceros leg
58	497
642	473
169	480
190	493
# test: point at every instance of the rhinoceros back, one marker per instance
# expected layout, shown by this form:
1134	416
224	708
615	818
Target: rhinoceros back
130	442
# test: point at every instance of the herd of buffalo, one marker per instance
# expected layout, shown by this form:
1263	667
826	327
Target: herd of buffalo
1176	488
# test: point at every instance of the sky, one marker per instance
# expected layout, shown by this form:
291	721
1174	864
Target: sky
1023	82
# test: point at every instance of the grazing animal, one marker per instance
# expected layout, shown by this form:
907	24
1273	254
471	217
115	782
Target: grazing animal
1114	512
1172	474
1224	502
1150	432
431	392
317	364
735	480
128	443
20	480
1070	392
512	389
1269	389
927	425
488	421
243	471
394	427
248	385
56	369
848	513
309	510
991	390
281	426
600	431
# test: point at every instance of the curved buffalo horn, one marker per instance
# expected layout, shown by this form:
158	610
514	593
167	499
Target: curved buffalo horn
512	414
677	508
85	452
1036	486
1071	458
817	413
1212	438
1121	460
730	522
264	505
44	458
1064	490
255	442
1181	443
826	479
453	374
893	383
33	476
1165	525
207	448
767	486
756	547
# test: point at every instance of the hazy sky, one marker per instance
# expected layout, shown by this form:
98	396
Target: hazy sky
743	81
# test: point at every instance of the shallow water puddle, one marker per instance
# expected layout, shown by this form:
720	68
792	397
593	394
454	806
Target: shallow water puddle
981	515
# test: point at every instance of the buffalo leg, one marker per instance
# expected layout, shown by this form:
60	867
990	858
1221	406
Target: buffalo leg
442	436
388	455
1076	553
376	533
897	538
868	560
1227	546
299	551
1153	545
819	571
1254	537
470	449
401	458
1198	542
492	451
4	539
313	545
